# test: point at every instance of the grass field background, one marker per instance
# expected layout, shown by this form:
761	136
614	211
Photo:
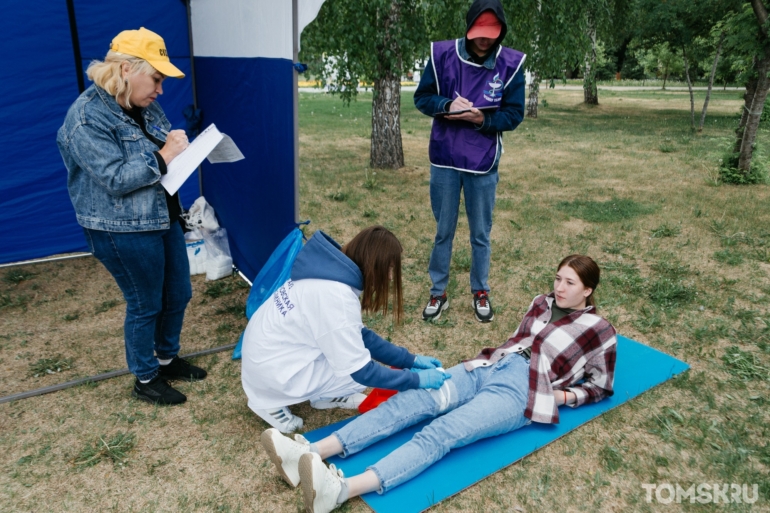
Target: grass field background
685	270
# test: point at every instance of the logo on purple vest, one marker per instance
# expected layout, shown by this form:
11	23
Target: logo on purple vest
495	92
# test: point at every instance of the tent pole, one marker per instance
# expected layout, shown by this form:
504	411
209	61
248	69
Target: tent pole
192	77
76	45
98	377
44	260
295	58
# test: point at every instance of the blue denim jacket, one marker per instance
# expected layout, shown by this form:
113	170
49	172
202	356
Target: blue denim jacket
113	176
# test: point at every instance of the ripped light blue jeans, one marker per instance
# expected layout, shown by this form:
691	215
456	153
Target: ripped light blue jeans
486	402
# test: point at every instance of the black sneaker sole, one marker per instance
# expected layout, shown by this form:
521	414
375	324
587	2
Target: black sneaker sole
189	379
481	320
438	314
142	397
484	321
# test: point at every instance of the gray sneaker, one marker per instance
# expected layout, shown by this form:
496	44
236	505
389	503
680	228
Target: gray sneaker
483	306
436	305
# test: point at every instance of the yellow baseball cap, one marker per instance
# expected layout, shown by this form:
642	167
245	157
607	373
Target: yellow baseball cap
146	45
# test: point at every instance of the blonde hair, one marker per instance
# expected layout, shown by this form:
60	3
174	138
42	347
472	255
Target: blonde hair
107	74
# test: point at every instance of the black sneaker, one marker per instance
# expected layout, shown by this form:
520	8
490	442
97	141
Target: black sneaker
157	391
436	305
180	368
483	307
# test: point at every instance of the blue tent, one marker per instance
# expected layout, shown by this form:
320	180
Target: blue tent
237	56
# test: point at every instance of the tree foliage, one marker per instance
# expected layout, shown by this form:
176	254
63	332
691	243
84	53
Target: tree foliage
375	41
352	41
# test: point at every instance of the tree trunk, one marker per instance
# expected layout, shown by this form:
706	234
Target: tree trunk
711	82
689	86
621	57
748	98
665	77
754	114
753	106
534	88
386	148
590	92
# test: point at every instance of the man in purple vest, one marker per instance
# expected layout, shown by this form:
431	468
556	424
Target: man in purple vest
473	87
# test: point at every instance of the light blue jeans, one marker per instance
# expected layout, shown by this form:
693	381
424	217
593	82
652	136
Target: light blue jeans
486	402
479	192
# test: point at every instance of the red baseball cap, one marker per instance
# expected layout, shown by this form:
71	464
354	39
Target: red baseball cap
486	25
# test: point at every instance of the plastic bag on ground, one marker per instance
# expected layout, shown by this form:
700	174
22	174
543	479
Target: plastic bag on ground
211	257
201	216
219	263
273	274
196	252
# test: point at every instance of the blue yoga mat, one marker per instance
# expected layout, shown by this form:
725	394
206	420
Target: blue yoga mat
638	368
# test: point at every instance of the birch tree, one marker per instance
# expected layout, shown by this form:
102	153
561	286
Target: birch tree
370	40
722	34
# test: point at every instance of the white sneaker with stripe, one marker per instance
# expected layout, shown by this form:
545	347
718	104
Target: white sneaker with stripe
281	419
348	402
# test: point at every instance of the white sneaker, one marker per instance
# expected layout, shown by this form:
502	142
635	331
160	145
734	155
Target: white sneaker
320	485
281	419
349	402
285	453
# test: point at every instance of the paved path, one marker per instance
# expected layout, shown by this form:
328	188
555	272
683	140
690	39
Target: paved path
360	89
568	87
575	87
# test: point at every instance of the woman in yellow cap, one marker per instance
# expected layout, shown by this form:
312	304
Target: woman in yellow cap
116	144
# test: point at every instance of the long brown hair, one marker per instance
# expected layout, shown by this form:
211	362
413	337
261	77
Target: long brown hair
587	270
376	251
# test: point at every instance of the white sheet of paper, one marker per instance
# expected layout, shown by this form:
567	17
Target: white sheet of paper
188	161
226	151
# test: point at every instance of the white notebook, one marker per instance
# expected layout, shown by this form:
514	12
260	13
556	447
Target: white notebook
188	161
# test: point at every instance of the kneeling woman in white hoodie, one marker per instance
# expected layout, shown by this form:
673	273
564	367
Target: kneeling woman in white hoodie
308	342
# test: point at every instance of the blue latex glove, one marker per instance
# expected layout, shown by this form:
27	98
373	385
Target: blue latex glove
425	362
432	378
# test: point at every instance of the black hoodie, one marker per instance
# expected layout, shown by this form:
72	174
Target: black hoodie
478	7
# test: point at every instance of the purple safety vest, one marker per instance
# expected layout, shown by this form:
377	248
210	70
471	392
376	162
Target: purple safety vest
457	144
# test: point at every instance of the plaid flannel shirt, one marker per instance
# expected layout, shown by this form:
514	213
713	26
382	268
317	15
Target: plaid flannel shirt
576	353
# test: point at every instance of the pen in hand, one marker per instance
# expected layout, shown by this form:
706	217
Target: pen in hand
159	129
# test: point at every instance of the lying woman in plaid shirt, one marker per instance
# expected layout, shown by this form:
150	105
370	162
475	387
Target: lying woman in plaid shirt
561	353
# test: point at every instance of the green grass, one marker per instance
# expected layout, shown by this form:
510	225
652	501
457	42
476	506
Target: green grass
49	366
222	288
114	450
665	230
106	305
17	275
612	210
744	364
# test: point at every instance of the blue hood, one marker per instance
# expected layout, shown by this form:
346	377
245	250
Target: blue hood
322	259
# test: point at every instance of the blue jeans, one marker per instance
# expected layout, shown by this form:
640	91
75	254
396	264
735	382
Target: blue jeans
479	192
486	402
152	271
